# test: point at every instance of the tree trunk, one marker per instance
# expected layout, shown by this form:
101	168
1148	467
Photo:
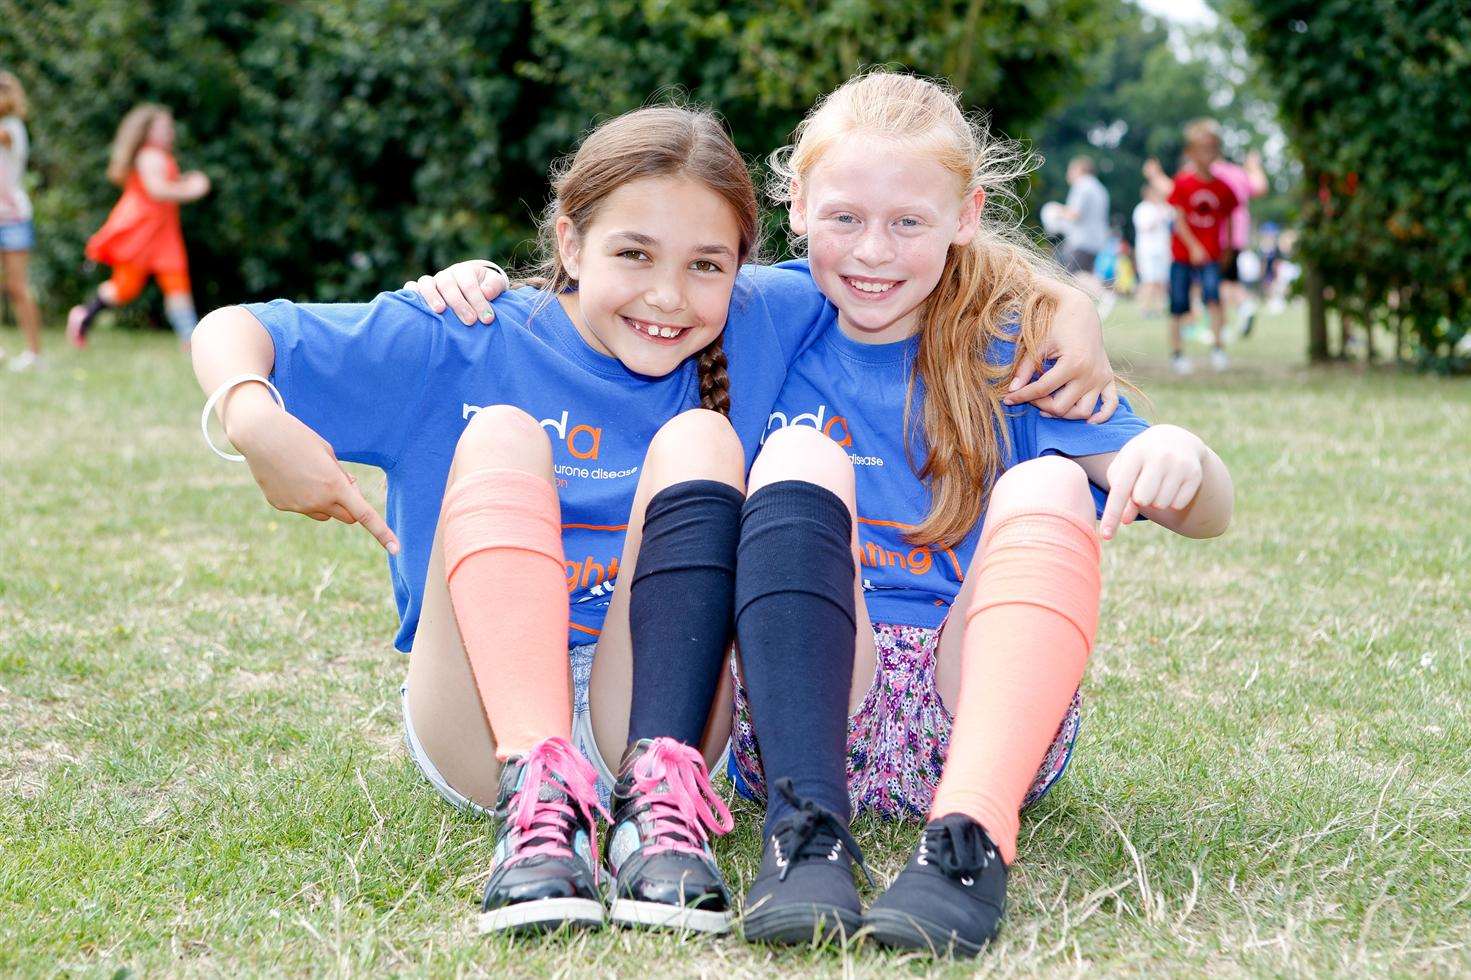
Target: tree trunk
1312	287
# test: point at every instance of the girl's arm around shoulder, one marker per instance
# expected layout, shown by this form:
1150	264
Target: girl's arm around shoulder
1170	476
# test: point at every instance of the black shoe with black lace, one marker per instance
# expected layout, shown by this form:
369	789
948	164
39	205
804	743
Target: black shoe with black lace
949	898
804	891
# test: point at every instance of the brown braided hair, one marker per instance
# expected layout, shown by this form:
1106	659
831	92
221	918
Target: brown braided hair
657	141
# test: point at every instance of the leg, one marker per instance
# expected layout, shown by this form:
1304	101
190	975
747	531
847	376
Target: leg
660	661
1180	276
18	286
1021	650
499	615
799	614
178	305
450	717
1009	668
696	445
126	283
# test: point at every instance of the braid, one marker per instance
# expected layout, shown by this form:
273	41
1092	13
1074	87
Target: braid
714	380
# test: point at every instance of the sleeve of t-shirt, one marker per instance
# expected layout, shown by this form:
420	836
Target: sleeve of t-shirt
1074	438
353	372
796	306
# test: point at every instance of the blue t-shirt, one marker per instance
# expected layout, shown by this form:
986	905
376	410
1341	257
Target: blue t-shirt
854	392
392	385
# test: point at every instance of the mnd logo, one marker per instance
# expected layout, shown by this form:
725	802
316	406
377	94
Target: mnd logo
835	428
582	441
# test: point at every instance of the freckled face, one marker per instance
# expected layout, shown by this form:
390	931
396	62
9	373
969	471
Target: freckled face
880	220
654	270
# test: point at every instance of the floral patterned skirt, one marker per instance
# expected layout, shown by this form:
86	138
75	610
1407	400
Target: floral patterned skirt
899	737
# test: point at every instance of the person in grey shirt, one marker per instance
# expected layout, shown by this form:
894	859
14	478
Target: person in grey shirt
1086	214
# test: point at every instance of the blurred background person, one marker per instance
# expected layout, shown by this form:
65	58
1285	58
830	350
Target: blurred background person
17	231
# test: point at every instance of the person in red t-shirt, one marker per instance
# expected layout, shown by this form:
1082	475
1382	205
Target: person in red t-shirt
1202	204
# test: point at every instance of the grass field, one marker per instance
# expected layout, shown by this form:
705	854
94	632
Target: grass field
201	769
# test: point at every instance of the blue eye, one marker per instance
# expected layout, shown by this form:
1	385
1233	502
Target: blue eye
846	219
909	222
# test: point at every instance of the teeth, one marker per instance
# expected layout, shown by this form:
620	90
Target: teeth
871	287
668	332
653	330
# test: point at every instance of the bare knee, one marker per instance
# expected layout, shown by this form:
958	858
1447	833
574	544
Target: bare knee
799	452
1054	484
18	290
504	437
696	445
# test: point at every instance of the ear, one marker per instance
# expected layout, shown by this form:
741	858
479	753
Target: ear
569	245
797	213
970	217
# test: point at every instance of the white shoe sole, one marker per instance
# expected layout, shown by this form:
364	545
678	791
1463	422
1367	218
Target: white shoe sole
626	911
547	914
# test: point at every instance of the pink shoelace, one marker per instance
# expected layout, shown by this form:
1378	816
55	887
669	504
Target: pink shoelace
544	825
683	807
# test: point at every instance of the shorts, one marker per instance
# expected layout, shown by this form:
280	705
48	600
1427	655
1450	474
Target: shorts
1229	271
899	736
1154	267
128	282
1077	260
18	236
582	738
1182	274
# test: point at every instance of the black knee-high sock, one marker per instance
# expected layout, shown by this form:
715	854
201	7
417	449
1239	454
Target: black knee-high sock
679	608
93	308
795	626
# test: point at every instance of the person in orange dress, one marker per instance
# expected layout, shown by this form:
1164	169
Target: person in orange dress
142	236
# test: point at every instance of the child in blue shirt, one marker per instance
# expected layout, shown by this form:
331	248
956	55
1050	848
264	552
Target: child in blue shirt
895	451
593	429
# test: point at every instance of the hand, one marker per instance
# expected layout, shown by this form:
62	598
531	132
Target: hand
297	470
465	287
1152	169
1162	467
1198	254
1254	160
1080	374
196	184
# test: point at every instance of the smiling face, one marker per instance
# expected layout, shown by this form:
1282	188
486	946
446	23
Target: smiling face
880	220
654	268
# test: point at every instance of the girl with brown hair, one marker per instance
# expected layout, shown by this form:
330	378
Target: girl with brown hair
592	429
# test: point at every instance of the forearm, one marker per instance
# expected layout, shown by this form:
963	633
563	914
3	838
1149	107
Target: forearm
1209	514
1182	228
227	343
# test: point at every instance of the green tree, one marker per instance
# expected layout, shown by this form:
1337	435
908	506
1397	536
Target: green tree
356	142
1374	99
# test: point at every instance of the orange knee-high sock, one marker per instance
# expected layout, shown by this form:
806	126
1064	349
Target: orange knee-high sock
508	586
1027	638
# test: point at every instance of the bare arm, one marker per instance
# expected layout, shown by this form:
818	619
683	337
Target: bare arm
1182	228
1256	175
153	171
1157	177
1171	477
5	139
295	468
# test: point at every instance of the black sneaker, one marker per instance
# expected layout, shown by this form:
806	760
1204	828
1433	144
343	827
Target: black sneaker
804	891
545	872
949	898
664	810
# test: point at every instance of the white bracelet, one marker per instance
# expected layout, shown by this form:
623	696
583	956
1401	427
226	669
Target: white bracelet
219	393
